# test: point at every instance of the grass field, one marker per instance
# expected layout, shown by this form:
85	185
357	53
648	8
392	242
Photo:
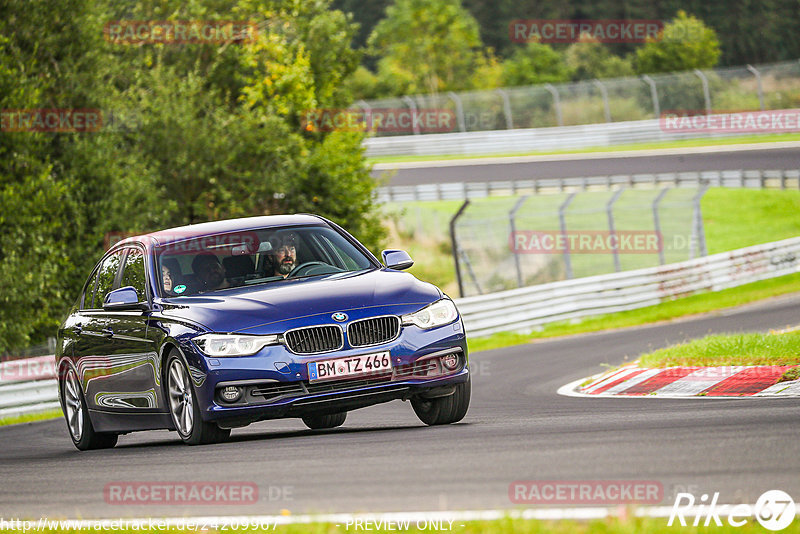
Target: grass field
619	148
733	349
733	218
52	414
501	526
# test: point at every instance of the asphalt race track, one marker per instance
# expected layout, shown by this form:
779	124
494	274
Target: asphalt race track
722	158
383	459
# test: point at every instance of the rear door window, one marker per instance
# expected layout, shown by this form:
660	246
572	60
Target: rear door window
88	296
133	274
106	276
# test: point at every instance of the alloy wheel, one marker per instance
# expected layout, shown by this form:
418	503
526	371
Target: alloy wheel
73	405
180	398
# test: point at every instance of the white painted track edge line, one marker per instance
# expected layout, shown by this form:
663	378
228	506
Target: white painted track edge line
577	513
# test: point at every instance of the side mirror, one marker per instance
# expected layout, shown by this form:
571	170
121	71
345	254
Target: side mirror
397	259
124	298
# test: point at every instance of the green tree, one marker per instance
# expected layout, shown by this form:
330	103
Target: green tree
589	59
534	64
427	45
684	44
209	131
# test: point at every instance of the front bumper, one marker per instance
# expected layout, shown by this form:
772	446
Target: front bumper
274	383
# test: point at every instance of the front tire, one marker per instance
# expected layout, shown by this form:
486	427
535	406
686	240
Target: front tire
184	408
319	422
80	427
444	410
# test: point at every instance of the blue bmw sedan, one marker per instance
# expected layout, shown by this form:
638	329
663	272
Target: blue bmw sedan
209	327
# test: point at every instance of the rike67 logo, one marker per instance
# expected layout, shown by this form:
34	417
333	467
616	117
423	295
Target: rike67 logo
774	510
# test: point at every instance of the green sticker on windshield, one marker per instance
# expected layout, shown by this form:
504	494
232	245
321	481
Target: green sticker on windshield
179	289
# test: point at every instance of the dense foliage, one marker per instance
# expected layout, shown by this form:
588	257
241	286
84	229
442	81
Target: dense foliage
192	132
696	35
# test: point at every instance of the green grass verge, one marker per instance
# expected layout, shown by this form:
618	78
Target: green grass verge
695	304
619	148
43	416
508	525
736	218
735	349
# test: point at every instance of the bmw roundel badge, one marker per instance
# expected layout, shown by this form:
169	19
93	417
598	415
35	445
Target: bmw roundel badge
339	317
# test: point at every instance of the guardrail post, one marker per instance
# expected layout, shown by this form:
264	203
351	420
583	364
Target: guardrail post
758	82
454	243
556	102
413	107
604	92
706	93
459	111
562	219
653	94
465	259
506	108
612	232
698	234
513	242
657	224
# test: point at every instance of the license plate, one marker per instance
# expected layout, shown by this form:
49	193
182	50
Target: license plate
365	364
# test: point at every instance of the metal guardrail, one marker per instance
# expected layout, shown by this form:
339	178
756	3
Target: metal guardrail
29	386
527	308
543	139
529	139
756	179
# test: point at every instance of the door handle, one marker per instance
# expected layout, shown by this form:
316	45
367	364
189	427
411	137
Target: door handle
107	332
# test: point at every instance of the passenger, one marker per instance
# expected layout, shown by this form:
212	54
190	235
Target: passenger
166	279
210	272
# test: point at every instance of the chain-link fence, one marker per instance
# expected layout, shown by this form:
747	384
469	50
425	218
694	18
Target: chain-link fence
507	242
44	349
764	87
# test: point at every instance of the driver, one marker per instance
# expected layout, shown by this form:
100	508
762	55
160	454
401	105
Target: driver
284	254
210	272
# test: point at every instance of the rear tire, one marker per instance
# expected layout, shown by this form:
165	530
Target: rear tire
184	408
444	410
79	426
319	422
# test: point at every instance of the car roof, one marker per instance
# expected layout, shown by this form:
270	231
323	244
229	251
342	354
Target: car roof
192	231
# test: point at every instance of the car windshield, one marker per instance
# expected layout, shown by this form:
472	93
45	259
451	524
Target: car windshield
251	257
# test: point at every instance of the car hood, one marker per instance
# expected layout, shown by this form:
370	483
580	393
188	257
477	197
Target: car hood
262	308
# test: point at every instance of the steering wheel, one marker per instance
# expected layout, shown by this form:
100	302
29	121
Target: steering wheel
305	268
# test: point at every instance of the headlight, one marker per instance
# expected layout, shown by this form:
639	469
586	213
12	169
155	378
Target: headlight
439	313
232	344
